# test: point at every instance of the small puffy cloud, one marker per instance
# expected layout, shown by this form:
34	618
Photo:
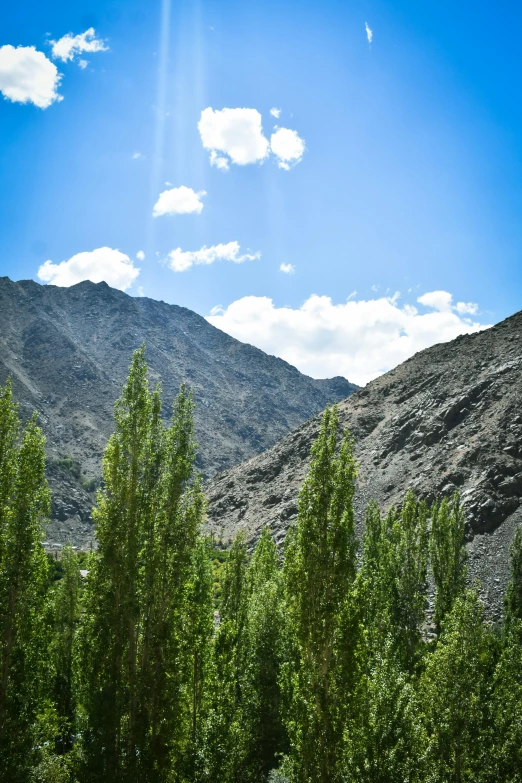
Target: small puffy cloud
136	155
275	113
359	339
83	64
102	264
69	46
288	147
443	302
369	33
179	201
180	260
236	136
140	255
235	133
466	308
288	269
438	300
27	76
218	161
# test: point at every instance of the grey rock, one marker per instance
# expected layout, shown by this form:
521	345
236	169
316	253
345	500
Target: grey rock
439	421
68	350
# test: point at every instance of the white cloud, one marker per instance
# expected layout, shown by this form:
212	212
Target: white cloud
67	47
180	260
443	302
288	146
139	291
218	161
140	255
275	112
83	64
236	136
288	269
469	308
236	133
357	339
27	76
369	33
136	155
438	300
179	201
102	264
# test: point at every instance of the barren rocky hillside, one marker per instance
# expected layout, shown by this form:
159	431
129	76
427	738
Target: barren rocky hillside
68	351
450	417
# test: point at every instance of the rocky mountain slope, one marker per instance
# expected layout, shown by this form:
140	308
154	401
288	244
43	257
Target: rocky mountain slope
68	350
449	417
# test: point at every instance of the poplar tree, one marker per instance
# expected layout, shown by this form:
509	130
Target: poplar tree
513	598
454	694
383	733
147	519
448	555
24	501
319	569
505	760
66	612
223	730
263	733
200	627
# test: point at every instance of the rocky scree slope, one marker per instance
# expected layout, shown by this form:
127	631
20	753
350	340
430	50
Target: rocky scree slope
448	418
68	351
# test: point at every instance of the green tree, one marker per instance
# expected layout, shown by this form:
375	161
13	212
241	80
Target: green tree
66	612
319	570
263	733
454	694
513	599
448	555
384	735
24	501
223	735
200	627
147	521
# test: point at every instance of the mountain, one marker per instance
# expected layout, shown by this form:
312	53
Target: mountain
450	417
68	350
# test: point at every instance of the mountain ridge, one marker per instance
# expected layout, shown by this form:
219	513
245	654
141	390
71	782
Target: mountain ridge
448	418
68	351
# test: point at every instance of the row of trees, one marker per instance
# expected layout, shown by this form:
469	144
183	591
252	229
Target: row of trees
319	666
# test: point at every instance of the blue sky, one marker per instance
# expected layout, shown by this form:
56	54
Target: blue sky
410	180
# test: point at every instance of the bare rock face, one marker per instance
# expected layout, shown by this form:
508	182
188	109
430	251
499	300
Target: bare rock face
448	418
68	351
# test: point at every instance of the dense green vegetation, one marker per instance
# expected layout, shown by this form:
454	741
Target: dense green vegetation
175	661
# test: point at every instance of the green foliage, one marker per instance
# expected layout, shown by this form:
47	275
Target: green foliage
448	555
24	501
454	694
176	661
221	750
319	570
66	611
133	673
513	600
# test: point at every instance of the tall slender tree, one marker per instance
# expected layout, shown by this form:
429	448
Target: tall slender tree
448	555
147	520
319	570
200	627
24	501
66	611
513	598
454	694
263	733
223	730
